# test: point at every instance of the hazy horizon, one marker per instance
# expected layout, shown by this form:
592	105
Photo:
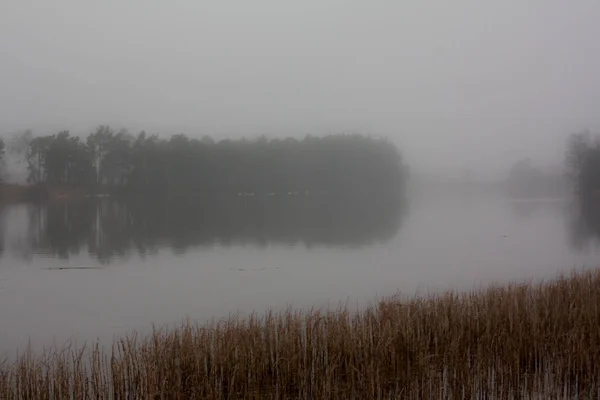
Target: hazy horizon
455	86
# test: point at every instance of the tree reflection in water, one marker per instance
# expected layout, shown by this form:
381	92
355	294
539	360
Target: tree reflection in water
110	228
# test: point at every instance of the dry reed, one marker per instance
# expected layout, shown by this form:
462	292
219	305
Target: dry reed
516	341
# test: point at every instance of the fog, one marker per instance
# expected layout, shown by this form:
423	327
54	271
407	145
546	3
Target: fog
455	85
121	229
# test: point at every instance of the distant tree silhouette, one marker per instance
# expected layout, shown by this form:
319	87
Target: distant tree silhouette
340	165
2	160
342	189
20	145
583	164
583	169
527	181
577	149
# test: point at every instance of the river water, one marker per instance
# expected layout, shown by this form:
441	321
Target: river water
104	267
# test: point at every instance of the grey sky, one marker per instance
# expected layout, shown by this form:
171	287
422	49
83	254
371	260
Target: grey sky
454	83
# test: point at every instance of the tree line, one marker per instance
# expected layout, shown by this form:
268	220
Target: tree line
119	161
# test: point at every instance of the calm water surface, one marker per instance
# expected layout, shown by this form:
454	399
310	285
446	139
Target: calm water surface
104	267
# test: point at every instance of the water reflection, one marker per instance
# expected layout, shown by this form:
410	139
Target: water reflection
581	219
108	228
583	224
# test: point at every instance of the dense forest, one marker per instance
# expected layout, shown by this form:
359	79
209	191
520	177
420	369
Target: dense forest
121	162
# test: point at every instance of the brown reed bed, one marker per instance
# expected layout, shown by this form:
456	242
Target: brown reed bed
516	341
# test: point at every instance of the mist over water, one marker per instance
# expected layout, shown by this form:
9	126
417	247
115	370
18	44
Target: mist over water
163	160
106	266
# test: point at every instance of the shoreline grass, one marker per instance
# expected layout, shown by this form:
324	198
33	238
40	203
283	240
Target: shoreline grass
513	341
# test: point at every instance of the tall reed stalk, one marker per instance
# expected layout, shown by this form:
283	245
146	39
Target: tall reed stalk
517	341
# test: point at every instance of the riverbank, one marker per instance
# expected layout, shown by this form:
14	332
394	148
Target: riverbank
520	339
